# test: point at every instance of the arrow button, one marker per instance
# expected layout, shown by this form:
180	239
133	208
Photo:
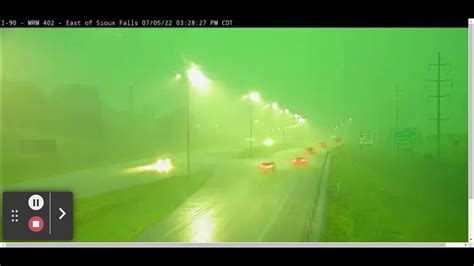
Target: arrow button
62	209
62	213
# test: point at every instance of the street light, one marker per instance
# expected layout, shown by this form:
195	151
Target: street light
275	106
268	142
197	80
286	112
255	98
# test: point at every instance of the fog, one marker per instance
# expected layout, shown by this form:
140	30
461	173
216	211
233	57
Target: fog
110	95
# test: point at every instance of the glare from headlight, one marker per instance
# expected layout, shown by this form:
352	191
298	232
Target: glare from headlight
160	166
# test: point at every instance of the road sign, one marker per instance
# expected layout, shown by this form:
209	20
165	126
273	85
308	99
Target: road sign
405	136
366	138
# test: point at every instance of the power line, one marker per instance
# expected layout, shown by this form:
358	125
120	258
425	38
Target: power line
438	97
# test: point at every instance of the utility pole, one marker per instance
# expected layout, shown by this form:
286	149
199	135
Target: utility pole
284	133
130	99
131	120
251	129
397	116
397	107
188	141
381	119
438	97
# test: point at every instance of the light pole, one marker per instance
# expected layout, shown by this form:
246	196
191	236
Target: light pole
197	80
255	98
276	109
285	112
251	129
188	139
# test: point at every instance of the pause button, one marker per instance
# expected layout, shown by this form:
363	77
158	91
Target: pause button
35	202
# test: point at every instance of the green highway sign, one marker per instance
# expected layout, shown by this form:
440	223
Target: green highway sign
405	137
365	138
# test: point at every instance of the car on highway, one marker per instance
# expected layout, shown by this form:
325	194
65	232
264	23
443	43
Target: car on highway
300	161
310	150
267	166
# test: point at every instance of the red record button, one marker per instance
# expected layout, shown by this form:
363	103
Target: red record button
35	224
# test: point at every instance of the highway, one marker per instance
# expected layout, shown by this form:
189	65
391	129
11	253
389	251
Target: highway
238	203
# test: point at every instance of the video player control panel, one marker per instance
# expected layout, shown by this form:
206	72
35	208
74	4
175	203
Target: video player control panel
37	215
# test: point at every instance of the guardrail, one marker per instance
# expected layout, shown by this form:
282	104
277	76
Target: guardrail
316	222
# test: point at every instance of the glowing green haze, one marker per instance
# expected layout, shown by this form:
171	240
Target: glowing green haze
113	97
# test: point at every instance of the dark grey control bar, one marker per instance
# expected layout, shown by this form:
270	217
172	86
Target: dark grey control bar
37	216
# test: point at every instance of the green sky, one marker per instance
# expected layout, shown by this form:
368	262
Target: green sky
327	74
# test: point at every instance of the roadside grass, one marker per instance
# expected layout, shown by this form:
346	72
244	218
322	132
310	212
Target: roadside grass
373	197
31	168
121	215
19	169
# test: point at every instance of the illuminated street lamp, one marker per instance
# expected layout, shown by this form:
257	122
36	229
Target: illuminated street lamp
253	97
268	142
197	80
275	106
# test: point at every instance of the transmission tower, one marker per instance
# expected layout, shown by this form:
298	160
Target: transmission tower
397	115
438	96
